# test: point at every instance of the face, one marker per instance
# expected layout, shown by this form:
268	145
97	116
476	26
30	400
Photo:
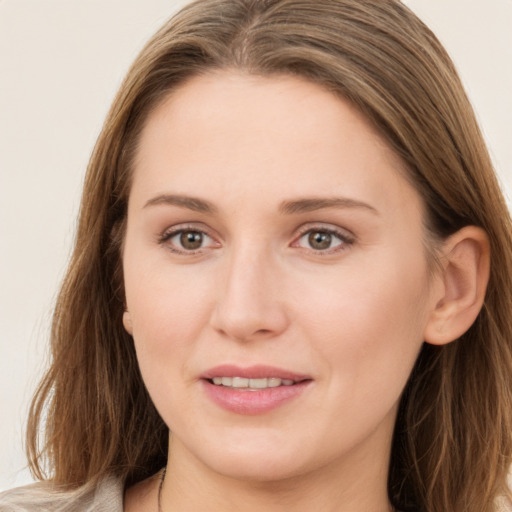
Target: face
276	280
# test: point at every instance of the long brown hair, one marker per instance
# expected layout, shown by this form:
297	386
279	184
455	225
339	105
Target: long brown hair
452	444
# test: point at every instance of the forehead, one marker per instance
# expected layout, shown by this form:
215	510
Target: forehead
264	137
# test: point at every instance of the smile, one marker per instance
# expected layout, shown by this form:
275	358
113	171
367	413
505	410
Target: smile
243	383
253	390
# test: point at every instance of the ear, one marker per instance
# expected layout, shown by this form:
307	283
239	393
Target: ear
462	280
127	323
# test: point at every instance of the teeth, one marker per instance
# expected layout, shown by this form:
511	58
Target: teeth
238	382
242	382
273	383
258	383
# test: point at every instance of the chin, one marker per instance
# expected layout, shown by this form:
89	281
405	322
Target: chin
264	470
262	461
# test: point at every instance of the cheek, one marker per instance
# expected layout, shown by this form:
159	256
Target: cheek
368	323
167	308
168	314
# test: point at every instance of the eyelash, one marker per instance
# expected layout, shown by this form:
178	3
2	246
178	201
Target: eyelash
167	235
346	239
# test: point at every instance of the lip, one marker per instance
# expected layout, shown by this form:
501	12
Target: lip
253	372
253	402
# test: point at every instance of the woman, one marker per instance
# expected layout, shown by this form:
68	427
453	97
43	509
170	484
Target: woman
294	256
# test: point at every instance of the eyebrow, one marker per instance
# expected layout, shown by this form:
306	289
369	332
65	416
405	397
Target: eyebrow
318	203
304	205
191	203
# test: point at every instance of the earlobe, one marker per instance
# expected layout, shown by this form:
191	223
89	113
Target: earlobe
464	275
127	322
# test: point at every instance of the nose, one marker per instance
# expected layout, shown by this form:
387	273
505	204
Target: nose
250	302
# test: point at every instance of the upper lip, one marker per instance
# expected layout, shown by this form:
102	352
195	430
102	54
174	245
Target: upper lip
253	372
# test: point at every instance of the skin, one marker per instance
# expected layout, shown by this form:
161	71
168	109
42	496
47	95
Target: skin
353	317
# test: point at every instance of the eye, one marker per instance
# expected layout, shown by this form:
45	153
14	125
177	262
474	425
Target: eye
187	240
323	240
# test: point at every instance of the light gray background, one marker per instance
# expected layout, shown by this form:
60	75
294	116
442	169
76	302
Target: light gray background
61	62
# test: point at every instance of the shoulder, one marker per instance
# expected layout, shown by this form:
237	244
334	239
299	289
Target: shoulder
107	496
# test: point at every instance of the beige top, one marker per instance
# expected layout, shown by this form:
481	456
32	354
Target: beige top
40	497
106	497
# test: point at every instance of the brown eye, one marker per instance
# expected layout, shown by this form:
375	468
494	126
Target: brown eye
324	241
191	240
319	240
188	241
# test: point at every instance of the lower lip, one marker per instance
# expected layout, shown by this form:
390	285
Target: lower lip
252	402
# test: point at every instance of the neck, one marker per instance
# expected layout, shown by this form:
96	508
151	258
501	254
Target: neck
356	483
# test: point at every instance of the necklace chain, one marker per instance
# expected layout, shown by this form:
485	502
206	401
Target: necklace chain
160	486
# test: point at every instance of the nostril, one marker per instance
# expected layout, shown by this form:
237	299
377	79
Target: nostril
263	331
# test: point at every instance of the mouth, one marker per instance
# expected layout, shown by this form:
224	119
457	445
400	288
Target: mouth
253	390
246	384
